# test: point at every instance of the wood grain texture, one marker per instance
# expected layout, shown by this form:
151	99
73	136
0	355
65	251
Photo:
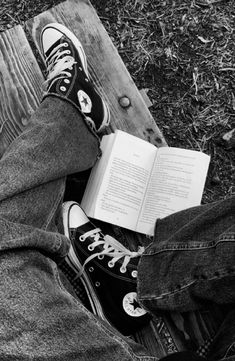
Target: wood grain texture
106	68
21	90
113	81
21	84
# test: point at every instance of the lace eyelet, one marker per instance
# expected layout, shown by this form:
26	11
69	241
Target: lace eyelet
67	81
63	89
97	284
134	274
90	247
122	269
81	238
91	269
68	51
70	68
86	80
100	256
110	264
65	44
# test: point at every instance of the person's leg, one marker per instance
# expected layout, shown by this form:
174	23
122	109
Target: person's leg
190	265
44	146
102	262
40	320
191	260
56	144
107	270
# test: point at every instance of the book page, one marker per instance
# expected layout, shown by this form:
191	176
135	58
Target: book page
97	175
127	172
177	182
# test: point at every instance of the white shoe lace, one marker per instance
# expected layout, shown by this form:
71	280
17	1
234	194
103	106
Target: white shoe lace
111	248
57	64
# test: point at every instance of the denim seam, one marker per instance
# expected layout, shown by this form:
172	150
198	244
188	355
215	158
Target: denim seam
182	288
214	204
166	293
186	247
229	348
227	237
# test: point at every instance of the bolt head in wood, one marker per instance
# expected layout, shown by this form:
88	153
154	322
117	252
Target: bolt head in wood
24	121
124	102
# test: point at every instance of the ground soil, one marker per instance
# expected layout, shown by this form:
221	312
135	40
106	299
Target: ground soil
182	53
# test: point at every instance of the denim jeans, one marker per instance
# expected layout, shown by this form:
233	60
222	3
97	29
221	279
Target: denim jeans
40	320
191	265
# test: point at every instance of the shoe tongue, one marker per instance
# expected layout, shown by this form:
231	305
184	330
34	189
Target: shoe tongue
51	40
78	218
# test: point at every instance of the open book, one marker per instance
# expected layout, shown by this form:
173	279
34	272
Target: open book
134	182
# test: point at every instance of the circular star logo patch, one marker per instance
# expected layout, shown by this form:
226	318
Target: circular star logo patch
131	305
84	101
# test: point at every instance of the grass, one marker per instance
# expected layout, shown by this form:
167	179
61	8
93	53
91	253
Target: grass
182	52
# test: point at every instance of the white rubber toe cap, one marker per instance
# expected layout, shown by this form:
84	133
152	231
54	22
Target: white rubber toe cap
49	37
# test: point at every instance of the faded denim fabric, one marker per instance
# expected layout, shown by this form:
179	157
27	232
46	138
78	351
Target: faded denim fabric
40	320
191	264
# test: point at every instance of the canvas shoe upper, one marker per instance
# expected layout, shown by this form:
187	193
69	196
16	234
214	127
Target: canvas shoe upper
107	269
67	75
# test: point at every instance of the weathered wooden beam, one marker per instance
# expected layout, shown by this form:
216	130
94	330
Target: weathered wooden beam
21	91
21	84
106	68
128	107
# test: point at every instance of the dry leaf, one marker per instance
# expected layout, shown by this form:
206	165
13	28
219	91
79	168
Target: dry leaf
205	41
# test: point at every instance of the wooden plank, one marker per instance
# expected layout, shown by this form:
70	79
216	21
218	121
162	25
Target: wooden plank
21	84
106	68
111	77
21	90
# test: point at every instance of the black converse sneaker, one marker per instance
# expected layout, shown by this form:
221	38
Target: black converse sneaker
107	269
67	75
